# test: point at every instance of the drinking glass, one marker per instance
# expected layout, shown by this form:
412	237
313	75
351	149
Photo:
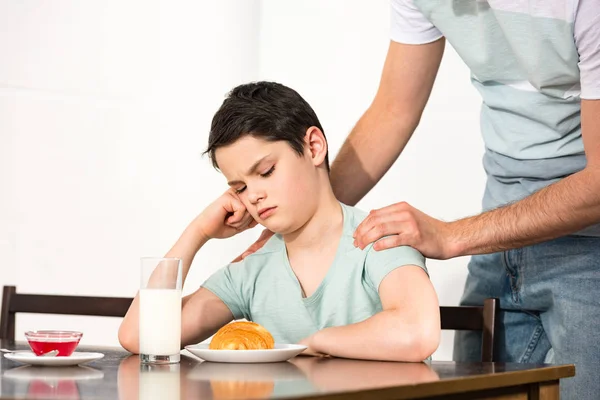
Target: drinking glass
160	310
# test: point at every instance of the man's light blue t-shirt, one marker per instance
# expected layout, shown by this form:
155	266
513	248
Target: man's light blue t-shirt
532	62
263	287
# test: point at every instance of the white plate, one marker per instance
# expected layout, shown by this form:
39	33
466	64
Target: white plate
281	352
28	357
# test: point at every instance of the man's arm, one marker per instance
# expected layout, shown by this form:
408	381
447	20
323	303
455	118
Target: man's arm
408	328
202	313
557	210
565	207
385	128
562	208
568	205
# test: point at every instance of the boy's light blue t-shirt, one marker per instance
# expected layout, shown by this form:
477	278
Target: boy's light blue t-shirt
263	287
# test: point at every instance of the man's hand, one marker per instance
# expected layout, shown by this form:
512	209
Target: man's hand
264	237
224	217
403	225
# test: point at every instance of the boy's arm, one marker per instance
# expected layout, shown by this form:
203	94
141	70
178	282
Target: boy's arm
408	328
203	313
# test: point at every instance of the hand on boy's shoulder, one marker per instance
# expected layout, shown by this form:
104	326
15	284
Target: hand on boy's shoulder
224	217
401	224
260	242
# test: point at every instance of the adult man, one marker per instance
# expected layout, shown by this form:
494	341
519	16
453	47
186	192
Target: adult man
536	246
537	67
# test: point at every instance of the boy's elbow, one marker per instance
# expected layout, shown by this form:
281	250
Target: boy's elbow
421	343
426	345
128	341
427	339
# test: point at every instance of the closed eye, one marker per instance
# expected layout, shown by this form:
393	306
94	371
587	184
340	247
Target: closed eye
265	175
269	172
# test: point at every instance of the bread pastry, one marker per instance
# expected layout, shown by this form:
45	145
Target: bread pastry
242	336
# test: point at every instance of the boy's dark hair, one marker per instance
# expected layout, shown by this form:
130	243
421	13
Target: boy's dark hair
265	110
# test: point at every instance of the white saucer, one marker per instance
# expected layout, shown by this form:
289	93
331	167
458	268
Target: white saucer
53	374
281	352
28	357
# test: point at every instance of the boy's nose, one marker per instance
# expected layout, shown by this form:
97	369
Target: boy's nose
255	197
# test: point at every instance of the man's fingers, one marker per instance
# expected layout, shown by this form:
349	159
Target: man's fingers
396	212
374	226
379	224
373	219
389	242
243	255
260	242
377	232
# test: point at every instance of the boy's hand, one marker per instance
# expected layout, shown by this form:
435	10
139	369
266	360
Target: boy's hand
311	350
225	217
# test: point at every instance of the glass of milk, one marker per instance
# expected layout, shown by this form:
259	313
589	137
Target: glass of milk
160	310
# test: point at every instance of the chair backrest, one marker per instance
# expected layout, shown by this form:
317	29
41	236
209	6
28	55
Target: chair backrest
13	302
474	318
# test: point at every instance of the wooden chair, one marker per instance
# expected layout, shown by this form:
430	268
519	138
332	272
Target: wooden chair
474	318
482	318
13	303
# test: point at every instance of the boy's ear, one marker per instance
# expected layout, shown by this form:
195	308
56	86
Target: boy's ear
316	145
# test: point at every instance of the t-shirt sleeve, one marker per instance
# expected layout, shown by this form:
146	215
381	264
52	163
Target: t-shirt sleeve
226	285
380	263
587	39
409	25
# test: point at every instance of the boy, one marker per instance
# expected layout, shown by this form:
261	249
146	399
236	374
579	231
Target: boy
309	283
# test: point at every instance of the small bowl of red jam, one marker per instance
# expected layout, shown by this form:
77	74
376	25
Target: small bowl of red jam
42	342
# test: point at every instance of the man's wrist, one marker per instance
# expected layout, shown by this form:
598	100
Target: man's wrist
456	246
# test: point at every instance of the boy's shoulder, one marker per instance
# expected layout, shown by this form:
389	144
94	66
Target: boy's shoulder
274	247
353	216
271	248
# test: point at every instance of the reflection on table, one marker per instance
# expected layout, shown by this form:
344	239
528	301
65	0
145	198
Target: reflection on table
50	382
300	376
120	375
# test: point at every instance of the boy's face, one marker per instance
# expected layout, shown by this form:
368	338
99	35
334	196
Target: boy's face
278	187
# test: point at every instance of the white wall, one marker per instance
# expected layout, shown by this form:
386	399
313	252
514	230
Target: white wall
105	108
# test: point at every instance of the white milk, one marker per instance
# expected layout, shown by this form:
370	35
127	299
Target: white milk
160	321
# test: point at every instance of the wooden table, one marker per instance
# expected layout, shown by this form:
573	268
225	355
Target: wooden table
119	375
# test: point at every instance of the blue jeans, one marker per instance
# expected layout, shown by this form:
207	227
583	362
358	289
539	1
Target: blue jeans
550	308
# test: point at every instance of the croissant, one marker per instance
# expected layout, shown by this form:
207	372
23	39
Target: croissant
242	336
